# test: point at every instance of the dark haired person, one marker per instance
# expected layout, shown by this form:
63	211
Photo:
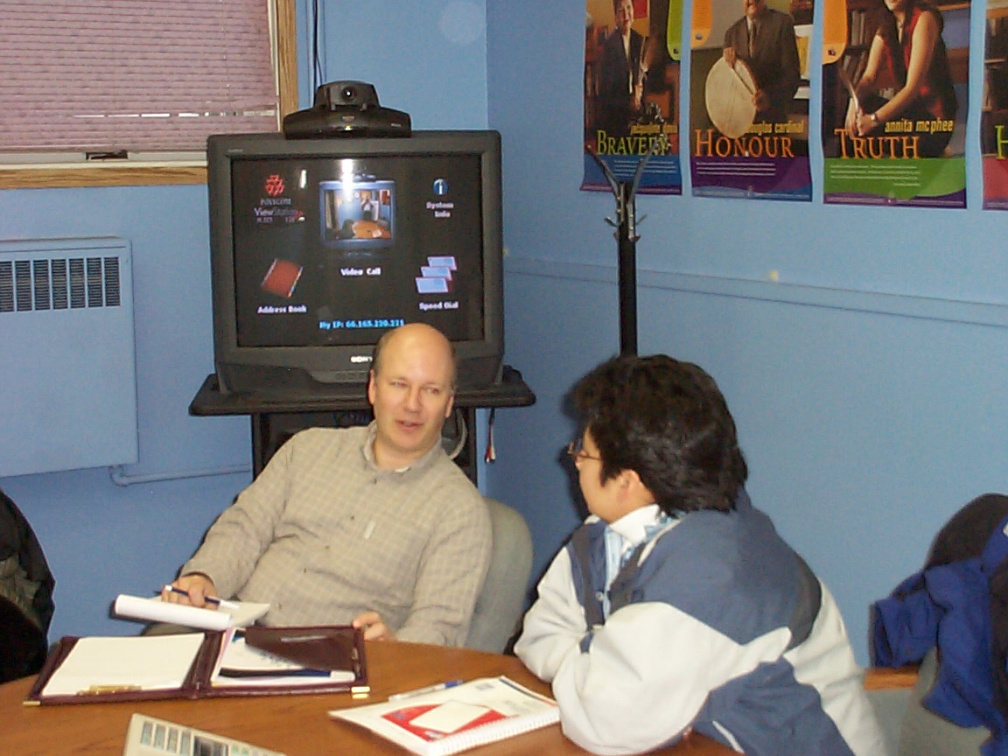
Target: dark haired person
907	76
374	526
676	606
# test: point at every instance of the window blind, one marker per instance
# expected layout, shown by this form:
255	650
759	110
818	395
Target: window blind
137	75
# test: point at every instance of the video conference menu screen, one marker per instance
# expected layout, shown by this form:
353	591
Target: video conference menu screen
335	251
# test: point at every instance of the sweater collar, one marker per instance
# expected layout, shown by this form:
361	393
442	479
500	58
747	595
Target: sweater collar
419	464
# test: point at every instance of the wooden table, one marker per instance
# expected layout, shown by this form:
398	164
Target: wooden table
296	725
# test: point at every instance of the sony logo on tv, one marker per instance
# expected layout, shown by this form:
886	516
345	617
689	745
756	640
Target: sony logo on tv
358	358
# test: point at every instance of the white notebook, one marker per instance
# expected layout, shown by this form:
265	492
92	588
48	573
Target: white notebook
153	609
455	719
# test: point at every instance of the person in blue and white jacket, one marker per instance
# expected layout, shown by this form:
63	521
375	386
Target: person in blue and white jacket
676	606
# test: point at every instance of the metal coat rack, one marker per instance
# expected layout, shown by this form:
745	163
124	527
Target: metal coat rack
626	236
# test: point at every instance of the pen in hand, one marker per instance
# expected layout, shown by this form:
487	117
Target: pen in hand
208	599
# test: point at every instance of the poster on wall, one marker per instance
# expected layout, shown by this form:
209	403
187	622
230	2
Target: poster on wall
895	80
631	93
994	111
749	99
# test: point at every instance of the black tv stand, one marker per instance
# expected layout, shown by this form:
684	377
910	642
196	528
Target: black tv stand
275	418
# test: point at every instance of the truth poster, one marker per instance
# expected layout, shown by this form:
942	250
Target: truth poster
631	93
895	81
749	99
994	112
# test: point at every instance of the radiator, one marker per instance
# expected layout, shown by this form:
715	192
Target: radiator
67	355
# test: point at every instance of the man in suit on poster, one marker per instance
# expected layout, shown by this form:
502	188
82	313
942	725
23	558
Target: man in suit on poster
764	39
621	78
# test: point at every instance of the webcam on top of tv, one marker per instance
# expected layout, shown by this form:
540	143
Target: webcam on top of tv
346	109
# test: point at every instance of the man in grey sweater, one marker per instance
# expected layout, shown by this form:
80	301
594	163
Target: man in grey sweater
372	526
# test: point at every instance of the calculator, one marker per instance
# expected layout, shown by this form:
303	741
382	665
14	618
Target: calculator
148	736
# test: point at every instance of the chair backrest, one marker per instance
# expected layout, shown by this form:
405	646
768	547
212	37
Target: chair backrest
501	603
913	730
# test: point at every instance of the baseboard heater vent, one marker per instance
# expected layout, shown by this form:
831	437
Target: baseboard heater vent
58	284
68	364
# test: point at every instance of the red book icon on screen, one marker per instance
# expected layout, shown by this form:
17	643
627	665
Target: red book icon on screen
282	277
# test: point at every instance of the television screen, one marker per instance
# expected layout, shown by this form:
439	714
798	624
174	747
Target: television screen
319	246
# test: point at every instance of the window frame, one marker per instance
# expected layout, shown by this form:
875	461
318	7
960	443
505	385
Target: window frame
13	176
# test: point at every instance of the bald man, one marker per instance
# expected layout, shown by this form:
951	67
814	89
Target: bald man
372	526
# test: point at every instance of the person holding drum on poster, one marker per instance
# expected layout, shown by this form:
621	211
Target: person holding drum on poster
908	61
764	40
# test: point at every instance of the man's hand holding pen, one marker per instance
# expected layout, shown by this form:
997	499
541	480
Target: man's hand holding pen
195	589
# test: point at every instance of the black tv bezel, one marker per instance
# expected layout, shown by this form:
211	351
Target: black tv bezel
339	369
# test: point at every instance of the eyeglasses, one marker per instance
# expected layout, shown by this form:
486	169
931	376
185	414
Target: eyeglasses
575	450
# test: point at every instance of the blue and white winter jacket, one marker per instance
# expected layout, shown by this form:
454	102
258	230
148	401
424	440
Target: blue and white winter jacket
715	625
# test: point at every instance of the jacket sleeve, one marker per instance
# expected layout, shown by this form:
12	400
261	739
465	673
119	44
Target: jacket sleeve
451	573
555	625
785	85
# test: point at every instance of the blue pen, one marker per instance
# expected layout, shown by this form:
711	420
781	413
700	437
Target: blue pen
428	689
209	599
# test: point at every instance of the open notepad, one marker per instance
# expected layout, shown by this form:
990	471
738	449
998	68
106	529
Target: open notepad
108	665
257	660
455	719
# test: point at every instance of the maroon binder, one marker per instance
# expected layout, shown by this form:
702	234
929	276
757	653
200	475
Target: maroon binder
332	647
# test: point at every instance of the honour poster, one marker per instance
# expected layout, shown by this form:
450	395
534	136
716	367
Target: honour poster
631	94
895	81
749	99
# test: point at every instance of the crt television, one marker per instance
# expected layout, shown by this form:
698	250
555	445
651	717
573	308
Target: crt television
318	246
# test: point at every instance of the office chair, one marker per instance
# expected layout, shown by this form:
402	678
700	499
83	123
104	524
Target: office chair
501	603
912	730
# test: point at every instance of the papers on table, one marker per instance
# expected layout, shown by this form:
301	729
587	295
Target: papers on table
456	718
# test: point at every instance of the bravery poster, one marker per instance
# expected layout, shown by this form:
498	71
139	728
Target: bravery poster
631	94
749	99
895	81
994	111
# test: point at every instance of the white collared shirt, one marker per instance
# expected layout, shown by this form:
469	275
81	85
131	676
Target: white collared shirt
624	535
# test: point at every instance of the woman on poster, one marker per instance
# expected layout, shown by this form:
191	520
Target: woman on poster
908	61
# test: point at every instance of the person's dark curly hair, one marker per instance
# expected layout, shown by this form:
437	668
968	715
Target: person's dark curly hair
668	421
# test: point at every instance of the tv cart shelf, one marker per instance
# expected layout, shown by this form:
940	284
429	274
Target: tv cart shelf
276	418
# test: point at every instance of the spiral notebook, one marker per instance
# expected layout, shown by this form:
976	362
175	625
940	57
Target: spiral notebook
458	718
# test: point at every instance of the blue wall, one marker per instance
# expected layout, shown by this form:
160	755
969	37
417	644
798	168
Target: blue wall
102	539
867	383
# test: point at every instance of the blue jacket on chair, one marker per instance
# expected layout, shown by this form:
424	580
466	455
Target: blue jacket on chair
959	603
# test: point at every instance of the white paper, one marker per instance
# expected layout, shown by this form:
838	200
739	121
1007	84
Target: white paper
153	609
159	662
452	709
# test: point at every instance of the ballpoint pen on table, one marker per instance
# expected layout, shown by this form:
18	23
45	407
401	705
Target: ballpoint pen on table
208	599
428	689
